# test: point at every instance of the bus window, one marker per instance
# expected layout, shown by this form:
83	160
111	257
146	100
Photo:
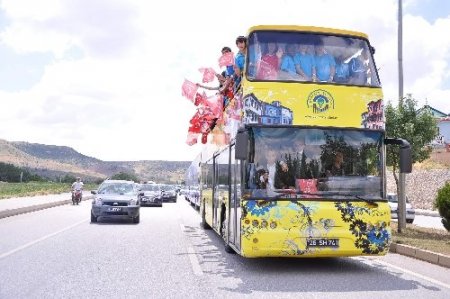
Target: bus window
286	156
298	56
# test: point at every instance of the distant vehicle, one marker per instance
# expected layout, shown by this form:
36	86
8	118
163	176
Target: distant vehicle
194	197
76	197
150	195
116	199
393	203
169	193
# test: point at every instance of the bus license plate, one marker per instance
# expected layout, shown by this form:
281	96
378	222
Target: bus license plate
322	242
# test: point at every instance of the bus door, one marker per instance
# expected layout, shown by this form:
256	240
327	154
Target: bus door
215	194
234	232
221	190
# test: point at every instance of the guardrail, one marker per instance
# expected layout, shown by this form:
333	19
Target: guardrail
33	208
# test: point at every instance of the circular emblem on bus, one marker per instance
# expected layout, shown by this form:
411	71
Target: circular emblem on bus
320	101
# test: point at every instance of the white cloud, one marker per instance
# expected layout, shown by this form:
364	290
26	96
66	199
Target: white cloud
119	96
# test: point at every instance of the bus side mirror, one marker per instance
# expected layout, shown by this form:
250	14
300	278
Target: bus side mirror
405	153
405	160
241	146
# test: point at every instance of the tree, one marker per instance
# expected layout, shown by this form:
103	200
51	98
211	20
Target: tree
68	178
125	176
442	203
419	129
11	173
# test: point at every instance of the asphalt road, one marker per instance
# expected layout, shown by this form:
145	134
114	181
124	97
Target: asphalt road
58	253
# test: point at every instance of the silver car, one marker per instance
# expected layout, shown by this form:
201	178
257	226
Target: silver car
116	199
393	203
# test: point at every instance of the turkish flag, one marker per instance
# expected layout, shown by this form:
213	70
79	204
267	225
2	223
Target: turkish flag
189	90
200	98
208	74
226	59
215	105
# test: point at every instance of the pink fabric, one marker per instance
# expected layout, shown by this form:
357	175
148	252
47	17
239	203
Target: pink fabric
200	99
307	185
189	90
226	59
208	74
215	105
268	67
192	138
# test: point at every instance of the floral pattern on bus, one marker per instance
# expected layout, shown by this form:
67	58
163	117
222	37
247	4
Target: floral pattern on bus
370	238
296	222
263	215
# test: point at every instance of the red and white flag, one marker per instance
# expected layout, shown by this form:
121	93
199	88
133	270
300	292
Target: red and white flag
226	59
208	74
200	99
189	89
214	104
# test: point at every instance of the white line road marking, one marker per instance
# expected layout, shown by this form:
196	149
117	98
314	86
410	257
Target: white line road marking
192	255
429	279
3	255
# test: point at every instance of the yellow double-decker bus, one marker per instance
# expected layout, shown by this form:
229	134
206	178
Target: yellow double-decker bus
305	173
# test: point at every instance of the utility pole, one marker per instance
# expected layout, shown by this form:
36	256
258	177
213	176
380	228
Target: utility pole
400	51
401	209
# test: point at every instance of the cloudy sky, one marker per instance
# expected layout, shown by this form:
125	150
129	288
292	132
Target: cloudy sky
104	76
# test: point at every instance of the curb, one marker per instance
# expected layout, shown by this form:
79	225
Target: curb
18	211
427	213
421	254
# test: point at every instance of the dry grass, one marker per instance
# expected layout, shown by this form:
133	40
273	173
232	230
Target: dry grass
439	159
8	190
434	240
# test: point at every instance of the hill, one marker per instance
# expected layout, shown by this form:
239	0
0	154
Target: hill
54	161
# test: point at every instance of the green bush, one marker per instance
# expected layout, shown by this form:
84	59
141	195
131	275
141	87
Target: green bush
125	176
442	203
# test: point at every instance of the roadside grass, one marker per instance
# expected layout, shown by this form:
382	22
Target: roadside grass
435	240
8	190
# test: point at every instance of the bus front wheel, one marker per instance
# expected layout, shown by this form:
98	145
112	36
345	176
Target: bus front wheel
203	224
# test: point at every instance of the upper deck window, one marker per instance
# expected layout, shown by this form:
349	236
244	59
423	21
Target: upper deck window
310	57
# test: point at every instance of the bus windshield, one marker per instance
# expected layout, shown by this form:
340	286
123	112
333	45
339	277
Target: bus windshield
310	57
324	163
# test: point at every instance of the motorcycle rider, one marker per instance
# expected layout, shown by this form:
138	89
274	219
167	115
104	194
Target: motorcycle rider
77	186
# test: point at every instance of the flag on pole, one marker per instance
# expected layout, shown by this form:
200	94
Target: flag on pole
226	59
189	89
208	74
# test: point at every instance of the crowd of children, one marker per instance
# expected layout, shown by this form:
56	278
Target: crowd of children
219	113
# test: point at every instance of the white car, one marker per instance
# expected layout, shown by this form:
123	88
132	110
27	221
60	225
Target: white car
393	203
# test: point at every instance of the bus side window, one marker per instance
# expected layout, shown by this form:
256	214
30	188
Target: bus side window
342	74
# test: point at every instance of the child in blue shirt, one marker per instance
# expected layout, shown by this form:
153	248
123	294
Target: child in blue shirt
325	64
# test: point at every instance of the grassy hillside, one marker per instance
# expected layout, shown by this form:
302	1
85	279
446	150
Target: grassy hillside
55	161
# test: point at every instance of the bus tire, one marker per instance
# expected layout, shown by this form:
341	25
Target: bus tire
229	249
203	224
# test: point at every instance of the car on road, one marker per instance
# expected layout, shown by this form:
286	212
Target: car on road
393	203
116	199
194	196
150	195
169	193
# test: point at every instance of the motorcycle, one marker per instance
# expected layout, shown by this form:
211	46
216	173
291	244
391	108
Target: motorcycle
76	197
